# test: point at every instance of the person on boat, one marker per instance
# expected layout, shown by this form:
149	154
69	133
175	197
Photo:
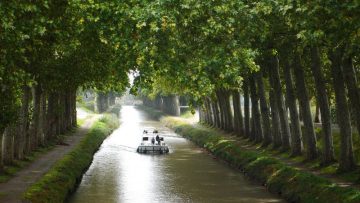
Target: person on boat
158	139
155	131
145	131
152	140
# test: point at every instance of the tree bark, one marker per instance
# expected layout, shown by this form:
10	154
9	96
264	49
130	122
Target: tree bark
302	94
42	124
1	150
275	121
23	124
36	129
8	145
222	109
73	108
257	130
62	124
51	115
175	105
296	144
238	118
246	108
215	108
210	112
228	114
323	105
353	91
265	115
346	161
284	122
205	112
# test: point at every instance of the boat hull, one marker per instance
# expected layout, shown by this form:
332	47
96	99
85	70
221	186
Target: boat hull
153	149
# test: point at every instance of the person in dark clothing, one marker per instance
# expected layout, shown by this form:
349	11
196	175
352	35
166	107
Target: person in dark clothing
158	139
152	140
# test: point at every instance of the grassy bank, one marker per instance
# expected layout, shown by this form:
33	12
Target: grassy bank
291	184
63	177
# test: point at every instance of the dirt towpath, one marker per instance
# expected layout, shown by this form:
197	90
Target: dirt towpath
12	190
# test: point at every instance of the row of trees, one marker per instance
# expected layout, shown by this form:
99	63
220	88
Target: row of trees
48	50
279	55
168	104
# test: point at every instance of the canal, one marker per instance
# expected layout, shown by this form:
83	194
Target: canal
186	174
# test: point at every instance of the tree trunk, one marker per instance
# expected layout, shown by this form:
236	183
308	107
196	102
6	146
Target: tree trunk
1	150
317	113
175	105
238	118
285	130
215	109
322	104
246	108
201	115
42	124
62	118
51	115
353	92
228	114
302	93
210	112
275	121
23	124
68	109
264	109
205	112
222	109
257	130
36	123
346	161
8	145
73	108
296	144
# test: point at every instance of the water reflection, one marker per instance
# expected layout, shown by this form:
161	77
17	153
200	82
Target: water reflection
187	174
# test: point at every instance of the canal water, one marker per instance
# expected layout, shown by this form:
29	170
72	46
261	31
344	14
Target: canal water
186	174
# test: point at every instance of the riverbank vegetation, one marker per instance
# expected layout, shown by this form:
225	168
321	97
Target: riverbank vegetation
63	177
277	177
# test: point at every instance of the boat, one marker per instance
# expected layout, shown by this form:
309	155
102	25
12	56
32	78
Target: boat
152	143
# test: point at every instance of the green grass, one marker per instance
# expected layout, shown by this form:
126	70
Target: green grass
80	122
187	114
292	184
63	177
